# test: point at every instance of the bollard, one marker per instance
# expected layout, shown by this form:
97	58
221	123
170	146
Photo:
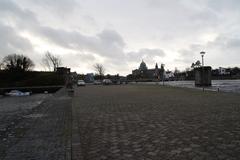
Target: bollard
203	89
218	90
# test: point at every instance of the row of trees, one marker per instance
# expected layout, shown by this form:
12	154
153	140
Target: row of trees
21	63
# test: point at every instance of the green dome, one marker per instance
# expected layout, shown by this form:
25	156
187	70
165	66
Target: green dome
143	66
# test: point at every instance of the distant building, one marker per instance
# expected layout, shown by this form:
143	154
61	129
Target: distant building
89	78
145	73
169	75
223	71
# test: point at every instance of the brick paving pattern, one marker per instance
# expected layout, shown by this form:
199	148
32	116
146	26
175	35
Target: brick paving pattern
40	134
126	122
153	122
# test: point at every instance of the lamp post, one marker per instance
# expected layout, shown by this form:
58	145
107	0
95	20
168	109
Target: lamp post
202	54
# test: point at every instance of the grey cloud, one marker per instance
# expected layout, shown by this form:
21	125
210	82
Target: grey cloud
182	22
152	52
205	19
146	53
234	43
221	51
57	7
76	59
111	36
190	54
64	14
222	5
61	5
11	42
10	12
225	42
185	56
188	19
107	43
224	50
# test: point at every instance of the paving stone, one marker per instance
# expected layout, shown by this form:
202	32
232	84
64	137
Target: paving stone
127	122
42	137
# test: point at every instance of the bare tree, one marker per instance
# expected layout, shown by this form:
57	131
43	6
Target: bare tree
17	62
196	64
99	68
52	62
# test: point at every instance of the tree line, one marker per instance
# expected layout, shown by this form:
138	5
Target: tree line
21	63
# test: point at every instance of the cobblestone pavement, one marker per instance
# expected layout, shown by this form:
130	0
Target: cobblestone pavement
153	122
40	134
13	108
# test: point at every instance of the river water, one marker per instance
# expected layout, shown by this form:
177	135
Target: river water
221	85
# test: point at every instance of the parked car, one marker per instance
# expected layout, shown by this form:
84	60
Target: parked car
81	83
17	93
107	82
97	82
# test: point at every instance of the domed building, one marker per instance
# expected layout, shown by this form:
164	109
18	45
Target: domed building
145	73
143	66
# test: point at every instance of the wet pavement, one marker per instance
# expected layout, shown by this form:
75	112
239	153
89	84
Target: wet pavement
153	122
119	122
40	130
13	107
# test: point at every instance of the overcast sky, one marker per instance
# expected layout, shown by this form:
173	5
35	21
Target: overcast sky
119	34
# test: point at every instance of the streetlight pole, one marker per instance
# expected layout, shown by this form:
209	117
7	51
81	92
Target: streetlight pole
202	54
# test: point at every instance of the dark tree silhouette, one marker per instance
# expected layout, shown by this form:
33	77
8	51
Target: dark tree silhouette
100	70
193	65
17	62
196	64
51	61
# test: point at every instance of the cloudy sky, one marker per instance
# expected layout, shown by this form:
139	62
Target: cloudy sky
119	34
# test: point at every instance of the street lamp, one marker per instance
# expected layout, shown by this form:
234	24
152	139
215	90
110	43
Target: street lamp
202	54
